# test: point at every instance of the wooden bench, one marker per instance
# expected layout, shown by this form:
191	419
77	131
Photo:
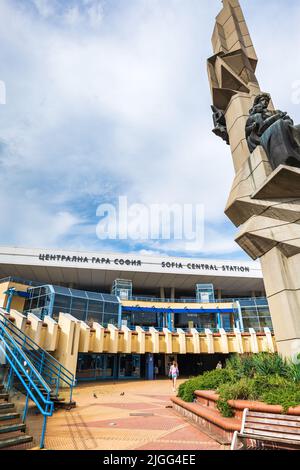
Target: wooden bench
267	430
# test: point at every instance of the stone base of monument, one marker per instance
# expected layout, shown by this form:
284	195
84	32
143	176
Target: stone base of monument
284	182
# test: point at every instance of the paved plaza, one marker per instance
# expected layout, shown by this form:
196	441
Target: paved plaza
124	416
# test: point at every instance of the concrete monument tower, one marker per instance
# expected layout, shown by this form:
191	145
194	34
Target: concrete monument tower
265	197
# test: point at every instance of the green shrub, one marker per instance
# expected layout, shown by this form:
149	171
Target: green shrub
208	381
287	397
244	389
294	372
265	377
225	409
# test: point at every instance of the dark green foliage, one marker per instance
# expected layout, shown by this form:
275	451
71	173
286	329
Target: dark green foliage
208	381
264	377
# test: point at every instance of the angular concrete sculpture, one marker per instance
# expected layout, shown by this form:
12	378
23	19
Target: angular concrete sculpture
265	198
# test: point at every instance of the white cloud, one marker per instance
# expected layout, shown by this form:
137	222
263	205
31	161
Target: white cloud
106	99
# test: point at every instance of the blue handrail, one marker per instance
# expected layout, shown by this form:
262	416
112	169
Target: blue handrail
52	370
35	386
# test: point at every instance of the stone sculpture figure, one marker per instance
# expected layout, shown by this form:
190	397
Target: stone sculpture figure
275	132
220	124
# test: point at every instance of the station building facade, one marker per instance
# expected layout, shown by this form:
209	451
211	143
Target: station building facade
163	301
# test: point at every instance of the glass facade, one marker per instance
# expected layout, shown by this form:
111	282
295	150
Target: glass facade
255	313
83	305
108	366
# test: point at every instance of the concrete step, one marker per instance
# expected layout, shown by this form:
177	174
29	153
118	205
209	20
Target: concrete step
4	396
12	428
6	406
15	441
9	416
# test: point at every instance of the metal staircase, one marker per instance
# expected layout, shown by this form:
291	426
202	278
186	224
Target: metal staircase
36	374
52	371
12	429
33	386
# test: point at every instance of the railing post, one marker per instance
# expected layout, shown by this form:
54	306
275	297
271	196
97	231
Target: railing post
42	441
27	401
58	380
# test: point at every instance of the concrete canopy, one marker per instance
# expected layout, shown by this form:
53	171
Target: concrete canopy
97	271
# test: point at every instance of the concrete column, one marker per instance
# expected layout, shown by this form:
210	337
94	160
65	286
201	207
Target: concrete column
239	341
98	338
210	341
282	281
113	339
20	320
127	339
182	341
269	339
51	336
67	348
84	338
254	342
196	341
168	340
173	292
155	340
219	294
162	293
35	330
141	340
224	341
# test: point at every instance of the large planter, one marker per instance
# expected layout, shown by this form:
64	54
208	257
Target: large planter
204	413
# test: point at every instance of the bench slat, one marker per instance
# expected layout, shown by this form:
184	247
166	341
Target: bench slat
268	439
273	416
273	422
276	428
257	433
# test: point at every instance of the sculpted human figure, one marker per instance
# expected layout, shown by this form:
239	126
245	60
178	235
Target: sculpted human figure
275	132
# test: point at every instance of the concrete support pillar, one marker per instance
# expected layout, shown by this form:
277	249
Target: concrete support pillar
51	335
113	339
182	341
20	320
210	341
173	292
254	342
67	348
127	339
141	340
84	338
224	341
269	339
35	329
98	338
239	341
282	281
219	294
154	340
196	341
162	293
168	340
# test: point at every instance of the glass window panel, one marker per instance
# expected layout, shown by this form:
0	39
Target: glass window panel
81	294
251	323
61	290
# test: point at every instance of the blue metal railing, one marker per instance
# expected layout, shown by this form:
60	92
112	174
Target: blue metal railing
191	300
53	372
33	383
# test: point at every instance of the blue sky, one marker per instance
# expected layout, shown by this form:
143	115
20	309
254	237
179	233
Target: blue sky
107	98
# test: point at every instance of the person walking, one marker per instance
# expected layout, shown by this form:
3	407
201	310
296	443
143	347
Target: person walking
173	374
